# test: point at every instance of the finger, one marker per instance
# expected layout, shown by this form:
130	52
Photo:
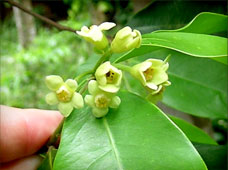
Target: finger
25	131
28	163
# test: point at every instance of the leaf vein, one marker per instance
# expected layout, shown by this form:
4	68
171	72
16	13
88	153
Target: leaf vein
112	142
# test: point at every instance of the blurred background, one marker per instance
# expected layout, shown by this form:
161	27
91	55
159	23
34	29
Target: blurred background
31	49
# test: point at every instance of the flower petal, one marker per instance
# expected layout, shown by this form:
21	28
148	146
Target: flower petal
77	100
51	98
123	33
65	108
165	66
53	82
138	35
99	112
95	33
89	100
72	84
157	91
166	83
103	69
144	65
159	77
106	25
119	79
109	88
93	87
115	102
156	62
152	86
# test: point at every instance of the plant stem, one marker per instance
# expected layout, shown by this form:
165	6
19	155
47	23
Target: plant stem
83	74
105	56
83	82
47	20
123	67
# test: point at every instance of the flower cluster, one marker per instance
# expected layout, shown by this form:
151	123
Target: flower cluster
102	90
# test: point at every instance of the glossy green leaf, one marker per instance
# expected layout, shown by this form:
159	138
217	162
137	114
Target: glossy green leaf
144	49
193	133
204	23
199	85
198	45
215	157
175	14
221	59
136	136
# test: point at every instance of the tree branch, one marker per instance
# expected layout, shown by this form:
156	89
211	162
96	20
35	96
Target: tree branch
47	20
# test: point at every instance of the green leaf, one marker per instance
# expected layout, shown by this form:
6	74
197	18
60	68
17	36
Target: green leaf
174	14
144	49
204	23
193	133
136	136
198	45
214	156
221	59
199	85
47	163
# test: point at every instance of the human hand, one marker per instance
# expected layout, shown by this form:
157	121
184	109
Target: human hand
22	133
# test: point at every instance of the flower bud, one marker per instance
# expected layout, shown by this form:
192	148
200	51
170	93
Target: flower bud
108	77
63	94
95	35
125	40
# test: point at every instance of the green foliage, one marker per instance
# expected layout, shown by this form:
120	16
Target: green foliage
48	160
184	70
193	133
215	157
127	138
198	45
137	135
173	14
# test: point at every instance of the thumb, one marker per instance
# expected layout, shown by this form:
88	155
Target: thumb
24	131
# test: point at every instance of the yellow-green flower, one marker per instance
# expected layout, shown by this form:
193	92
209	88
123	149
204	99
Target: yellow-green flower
108	77
125	40
63	94
99	100
95	35
152	74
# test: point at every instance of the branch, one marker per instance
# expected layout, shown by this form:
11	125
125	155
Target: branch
47	20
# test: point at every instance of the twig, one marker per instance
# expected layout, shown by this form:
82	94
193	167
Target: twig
47	20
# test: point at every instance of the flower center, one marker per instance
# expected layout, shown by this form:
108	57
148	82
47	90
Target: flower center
110	77
63	94
101	101
148	74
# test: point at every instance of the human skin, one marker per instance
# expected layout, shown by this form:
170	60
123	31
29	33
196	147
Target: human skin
22	133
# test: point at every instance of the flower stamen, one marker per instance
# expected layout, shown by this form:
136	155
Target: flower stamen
148	74
101	101
110	77
63	94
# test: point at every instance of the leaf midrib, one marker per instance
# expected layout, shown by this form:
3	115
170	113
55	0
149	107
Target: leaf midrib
112	143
